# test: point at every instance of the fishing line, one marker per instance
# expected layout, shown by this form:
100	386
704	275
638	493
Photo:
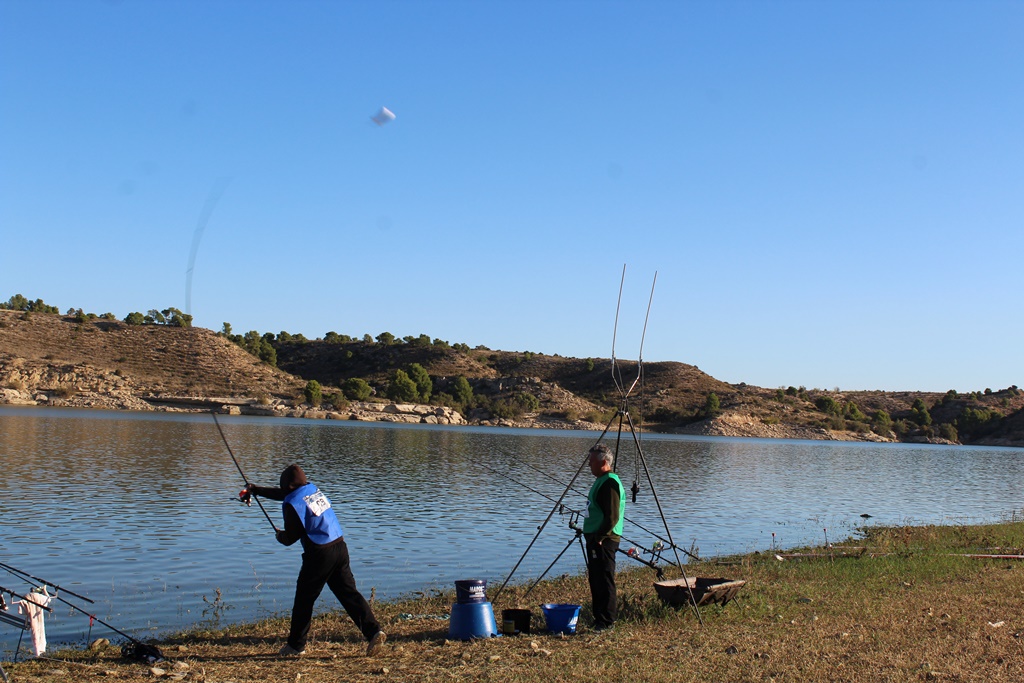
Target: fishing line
204	216
239	467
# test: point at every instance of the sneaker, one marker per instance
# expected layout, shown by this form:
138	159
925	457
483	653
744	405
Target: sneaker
289	651
374	646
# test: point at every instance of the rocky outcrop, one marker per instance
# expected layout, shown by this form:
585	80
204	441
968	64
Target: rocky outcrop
739	424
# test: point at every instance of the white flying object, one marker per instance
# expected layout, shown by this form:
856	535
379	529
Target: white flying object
385	115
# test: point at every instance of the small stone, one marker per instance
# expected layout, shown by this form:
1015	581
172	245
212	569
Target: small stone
180	666
182	648
466	656
493	658
99	643
384	670
998	624
731	650
543	653
157	671
534	644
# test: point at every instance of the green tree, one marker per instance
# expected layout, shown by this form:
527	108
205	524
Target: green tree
402	388
462	391
135	318
881	423
176	318
356	389
712	405
853	412
919	413
225	330
424	385
828	405
386	338
267	353
17	303
948	432
528	401
314	393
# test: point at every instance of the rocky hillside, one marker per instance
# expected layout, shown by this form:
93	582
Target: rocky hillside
58	360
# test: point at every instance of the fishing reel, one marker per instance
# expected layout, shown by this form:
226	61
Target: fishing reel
245	496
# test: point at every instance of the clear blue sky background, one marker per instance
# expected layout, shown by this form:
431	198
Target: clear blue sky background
831	193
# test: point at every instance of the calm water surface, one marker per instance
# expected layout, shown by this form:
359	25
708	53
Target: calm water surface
139	511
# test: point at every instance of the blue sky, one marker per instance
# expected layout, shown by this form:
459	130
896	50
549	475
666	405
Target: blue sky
830	193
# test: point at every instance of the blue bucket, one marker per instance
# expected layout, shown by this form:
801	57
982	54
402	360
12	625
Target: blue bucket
561	618
472	620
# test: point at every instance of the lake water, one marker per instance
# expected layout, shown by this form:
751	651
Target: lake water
139	511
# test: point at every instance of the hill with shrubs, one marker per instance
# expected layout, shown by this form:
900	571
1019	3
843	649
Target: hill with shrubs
147	359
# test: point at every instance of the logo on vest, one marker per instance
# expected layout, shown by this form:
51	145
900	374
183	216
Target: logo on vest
317	503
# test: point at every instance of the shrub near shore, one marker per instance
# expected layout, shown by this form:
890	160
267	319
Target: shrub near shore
901	604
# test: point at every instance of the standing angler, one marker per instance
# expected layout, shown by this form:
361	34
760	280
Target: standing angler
309	517
602	528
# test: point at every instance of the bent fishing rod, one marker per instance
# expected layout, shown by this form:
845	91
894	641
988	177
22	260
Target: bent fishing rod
245	496
25	576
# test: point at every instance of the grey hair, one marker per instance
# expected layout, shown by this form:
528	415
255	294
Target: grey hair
604	453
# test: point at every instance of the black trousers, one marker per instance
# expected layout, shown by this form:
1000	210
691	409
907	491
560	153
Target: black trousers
601	573
328	565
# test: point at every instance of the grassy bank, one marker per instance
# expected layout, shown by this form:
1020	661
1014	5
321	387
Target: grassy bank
902	604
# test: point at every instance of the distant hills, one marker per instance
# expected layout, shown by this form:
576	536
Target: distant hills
54	359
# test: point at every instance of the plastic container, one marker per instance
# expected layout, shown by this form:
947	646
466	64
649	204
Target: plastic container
561	618
515	621
470	591
472	620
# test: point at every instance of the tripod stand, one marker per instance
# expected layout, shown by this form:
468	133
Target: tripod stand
624	418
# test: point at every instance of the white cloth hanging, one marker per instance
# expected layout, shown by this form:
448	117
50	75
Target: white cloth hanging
32	607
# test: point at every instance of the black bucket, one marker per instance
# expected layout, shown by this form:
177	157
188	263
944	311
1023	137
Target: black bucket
515	621
470	591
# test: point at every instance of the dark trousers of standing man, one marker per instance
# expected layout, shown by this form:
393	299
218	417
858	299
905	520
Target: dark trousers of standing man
601	573
328	565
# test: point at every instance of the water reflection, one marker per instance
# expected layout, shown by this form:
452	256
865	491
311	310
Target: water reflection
139	511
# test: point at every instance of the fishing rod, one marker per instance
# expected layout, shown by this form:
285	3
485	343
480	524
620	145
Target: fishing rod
3	605
245	495
624	413
137	650
577	491
575	514
25	575
140	649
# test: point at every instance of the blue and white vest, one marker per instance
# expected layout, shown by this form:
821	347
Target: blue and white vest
316	513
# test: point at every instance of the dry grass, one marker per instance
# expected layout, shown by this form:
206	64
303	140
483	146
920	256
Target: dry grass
908	609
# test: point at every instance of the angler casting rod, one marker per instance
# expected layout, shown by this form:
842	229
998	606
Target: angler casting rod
239	467
25	576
